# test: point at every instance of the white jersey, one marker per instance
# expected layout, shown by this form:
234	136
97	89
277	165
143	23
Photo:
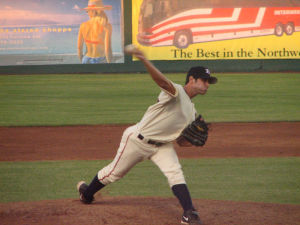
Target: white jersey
165	120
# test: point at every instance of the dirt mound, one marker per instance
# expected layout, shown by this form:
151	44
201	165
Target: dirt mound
101	142
144	211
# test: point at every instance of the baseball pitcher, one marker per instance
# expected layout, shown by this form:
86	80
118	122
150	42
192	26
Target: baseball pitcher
172	118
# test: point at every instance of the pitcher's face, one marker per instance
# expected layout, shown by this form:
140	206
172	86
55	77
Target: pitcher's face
201	86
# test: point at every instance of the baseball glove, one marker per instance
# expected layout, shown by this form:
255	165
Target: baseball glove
197	132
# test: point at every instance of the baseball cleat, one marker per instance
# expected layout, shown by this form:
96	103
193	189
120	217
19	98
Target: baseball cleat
190	217
81	188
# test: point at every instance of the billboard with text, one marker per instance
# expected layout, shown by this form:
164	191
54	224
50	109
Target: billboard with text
35	32
219	29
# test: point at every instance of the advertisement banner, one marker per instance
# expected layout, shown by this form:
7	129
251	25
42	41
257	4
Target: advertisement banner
34	32
219	29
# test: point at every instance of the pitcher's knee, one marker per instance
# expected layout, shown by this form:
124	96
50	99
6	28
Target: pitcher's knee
175	177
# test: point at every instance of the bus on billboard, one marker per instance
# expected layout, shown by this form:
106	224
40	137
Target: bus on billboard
176	23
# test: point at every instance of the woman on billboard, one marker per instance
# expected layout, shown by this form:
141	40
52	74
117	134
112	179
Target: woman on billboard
95	34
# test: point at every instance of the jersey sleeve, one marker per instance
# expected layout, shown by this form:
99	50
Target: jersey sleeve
166	96
170	94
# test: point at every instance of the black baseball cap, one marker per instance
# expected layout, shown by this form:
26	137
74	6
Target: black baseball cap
201	72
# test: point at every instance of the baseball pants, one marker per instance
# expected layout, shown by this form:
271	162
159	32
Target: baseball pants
132	150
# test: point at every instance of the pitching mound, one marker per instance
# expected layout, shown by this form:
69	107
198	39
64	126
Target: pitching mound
144	211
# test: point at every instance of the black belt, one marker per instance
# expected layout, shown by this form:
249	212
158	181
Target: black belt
151	142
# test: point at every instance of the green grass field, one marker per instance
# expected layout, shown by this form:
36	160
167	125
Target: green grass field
275	180
114	99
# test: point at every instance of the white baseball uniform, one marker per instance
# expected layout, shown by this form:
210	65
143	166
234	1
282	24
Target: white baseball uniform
152	138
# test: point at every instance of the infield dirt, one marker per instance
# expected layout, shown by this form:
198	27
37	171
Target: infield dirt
100	142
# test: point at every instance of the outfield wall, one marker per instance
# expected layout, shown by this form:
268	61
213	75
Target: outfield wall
254	65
